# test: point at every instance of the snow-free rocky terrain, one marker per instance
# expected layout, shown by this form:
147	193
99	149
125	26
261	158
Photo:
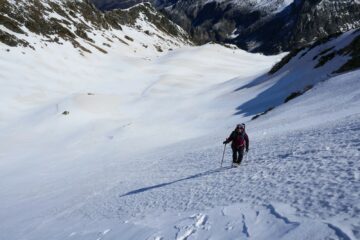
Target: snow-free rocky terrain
127	144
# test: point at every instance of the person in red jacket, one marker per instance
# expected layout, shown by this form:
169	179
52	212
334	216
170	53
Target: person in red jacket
239	142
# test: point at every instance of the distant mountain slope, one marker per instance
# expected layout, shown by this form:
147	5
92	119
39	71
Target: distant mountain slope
257	25
301	70
113	4
39	22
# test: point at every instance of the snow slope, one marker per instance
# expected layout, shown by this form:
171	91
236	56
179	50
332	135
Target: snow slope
298	182
138	155
39	24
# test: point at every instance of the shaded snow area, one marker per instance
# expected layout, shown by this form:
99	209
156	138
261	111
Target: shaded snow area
128	146
272	6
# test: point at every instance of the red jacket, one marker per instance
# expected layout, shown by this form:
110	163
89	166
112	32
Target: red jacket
238	140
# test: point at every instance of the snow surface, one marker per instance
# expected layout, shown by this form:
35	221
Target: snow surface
138	156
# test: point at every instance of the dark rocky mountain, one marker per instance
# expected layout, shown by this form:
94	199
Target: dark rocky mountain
267	26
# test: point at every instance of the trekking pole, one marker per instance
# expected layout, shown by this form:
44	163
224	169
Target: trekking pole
222	160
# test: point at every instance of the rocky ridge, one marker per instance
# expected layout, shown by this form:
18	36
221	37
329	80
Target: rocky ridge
263	26
37	23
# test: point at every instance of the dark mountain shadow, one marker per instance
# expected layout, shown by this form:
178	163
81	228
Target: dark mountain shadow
273	34
198	175
254	82
269	98
286	83
106	5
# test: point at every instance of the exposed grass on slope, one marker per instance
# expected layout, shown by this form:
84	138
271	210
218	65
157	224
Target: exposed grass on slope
12	40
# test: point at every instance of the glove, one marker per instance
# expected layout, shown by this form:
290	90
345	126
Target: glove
224	142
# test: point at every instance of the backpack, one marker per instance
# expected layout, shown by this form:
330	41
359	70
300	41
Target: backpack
238	139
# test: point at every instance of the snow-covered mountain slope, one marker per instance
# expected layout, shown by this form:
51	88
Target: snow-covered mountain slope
267	26
267	5
302	69
38	24
119	106
113	4
127	145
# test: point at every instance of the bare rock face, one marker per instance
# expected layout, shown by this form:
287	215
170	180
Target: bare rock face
319	19
267	26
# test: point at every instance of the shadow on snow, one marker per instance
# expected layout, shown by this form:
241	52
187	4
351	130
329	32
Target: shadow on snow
198	175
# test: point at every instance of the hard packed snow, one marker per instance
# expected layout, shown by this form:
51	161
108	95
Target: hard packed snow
128	146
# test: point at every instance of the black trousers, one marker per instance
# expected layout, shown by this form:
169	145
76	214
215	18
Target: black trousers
238	154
